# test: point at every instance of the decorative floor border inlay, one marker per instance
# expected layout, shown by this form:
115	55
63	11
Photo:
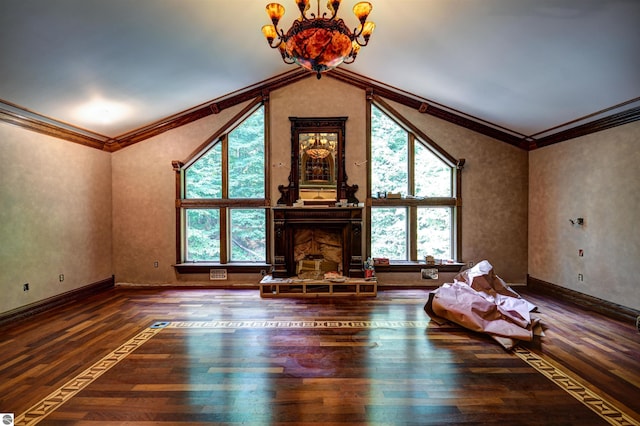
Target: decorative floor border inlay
603	408
297	324
53	401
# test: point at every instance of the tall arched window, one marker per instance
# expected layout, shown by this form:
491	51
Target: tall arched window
223	205
414	191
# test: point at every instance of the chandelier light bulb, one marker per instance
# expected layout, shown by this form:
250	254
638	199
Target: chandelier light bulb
362	11
275	12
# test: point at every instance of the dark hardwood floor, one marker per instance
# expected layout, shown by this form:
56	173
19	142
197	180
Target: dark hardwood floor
226	356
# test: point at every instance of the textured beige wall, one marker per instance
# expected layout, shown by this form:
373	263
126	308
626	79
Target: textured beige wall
137	191
144	200
318	98
494	182
144	181
64	206
595	177
494	194
55	216
494	188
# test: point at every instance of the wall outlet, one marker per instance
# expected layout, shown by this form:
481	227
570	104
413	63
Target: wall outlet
155	264
580	277
61	277
25	287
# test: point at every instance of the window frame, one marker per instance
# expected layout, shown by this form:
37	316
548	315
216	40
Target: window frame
454	202
223	204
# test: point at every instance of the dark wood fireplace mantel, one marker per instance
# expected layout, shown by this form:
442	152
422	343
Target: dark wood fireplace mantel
347	220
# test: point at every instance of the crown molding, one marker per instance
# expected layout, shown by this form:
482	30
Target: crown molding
31	121
213	107
614	120
428	107
49	129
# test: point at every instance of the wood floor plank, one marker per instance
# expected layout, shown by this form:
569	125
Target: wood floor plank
228	356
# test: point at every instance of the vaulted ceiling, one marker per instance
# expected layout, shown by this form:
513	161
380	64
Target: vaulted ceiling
529	68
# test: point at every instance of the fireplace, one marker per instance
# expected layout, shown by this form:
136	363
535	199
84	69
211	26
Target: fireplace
316	251
317	234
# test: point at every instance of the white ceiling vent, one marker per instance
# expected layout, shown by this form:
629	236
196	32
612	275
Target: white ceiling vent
217	274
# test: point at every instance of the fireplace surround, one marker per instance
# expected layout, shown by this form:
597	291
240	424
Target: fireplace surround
287	221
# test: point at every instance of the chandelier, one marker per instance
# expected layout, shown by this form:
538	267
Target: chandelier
318	43
318	146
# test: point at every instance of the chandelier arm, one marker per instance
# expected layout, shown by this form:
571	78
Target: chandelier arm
333	6
349	59
357	31
287	60
356	37
361	44
277	40
285	56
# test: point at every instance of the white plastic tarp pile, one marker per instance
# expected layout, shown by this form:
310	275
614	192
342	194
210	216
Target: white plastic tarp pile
479	300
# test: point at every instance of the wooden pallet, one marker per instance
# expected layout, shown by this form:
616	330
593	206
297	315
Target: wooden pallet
293	287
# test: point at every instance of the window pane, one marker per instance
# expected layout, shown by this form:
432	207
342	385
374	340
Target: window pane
203	179
389	148
433	176
246	158
202	235
434	232
389	233
248	235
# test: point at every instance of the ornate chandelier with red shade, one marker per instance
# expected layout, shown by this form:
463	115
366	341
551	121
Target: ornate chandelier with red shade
318	43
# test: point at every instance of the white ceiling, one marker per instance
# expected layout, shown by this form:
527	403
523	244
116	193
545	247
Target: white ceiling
525	65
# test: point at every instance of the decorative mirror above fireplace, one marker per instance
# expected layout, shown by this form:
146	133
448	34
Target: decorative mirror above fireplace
317	174
317	166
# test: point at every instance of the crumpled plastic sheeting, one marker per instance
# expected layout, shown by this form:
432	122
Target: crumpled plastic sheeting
480	301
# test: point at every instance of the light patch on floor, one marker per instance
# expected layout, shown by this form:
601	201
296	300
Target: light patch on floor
53	401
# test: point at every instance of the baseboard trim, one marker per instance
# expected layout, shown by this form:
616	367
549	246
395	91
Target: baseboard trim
55	301
610	309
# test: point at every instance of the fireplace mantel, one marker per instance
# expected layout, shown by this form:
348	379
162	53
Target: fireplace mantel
347	220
